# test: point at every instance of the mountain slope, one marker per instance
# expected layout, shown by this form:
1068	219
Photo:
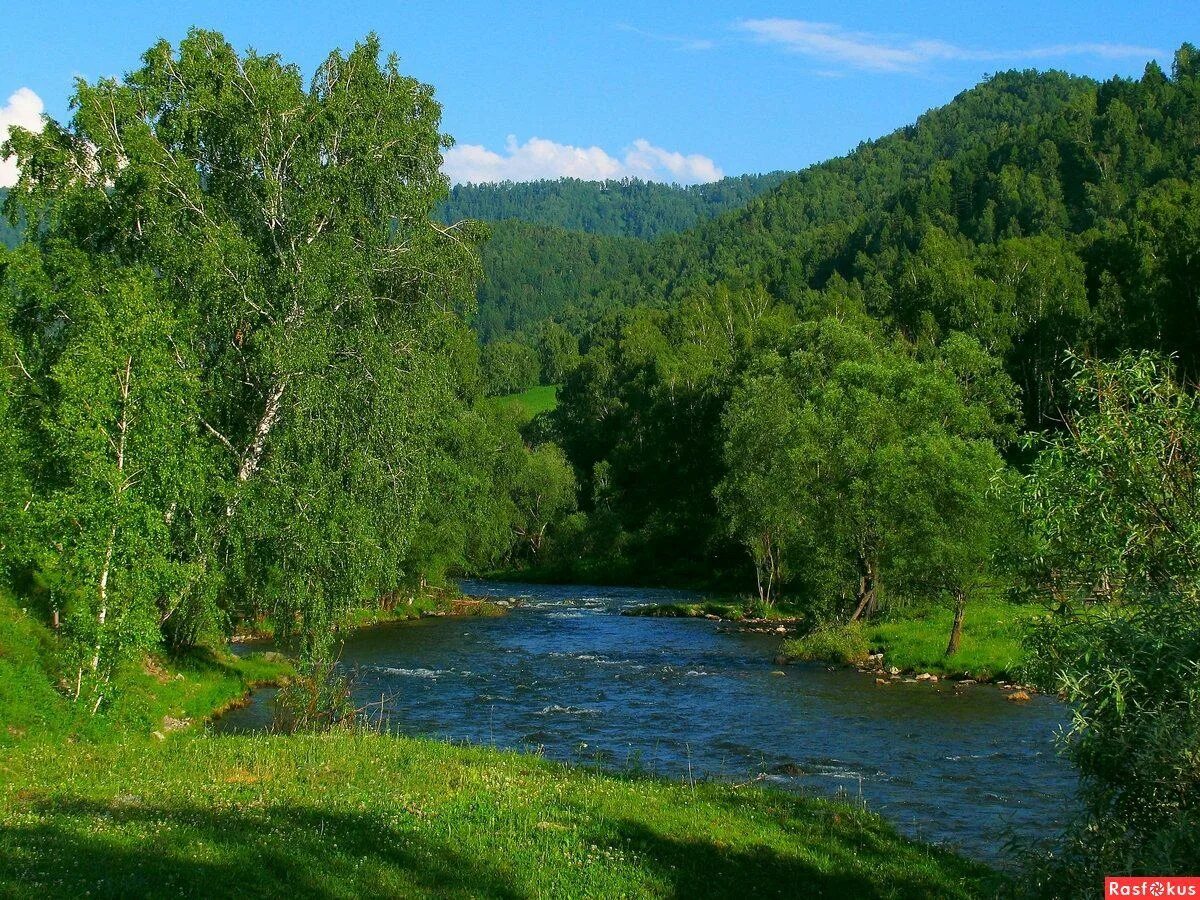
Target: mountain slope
623	208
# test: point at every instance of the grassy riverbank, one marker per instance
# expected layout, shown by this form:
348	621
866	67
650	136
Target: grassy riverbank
158	693
141	801
913	641
990	649
732	610
415	604
365	815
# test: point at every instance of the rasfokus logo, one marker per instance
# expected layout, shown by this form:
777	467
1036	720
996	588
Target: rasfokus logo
1151	886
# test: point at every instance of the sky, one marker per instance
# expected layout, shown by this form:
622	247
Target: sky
666	91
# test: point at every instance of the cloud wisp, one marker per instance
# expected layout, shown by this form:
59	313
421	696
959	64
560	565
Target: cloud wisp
829	43
24	108
679	42
540	158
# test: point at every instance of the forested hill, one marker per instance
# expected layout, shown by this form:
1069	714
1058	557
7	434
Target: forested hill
1036	212
532	272
625	208
554	241
787	237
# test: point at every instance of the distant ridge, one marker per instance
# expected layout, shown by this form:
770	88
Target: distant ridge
627	207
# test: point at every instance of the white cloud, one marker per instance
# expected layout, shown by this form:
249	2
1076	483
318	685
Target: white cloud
540	158
827	42
24	108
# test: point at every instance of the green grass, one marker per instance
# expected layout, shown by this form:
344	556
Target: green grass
844	645
535	400
991	641
189	687
990	649
345	815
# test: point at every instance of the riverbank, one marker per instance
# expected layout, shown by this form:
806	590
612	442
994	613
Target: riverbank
370	815
912	644
159	693
428	602
134	802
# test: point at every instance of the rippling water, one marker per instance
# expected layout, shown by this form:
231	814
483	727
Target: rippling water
566	675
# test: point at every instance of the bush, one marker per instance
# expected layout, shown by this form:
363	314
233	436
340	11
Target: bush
1133	678
839	644
1113	497
319	698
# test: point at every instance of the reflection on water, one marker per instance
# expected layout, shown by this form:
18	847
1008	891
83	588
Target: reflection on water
565	675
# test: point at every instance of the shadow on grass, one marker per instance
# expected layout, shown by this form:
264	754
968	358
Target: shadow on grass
130	849
876	867
134	847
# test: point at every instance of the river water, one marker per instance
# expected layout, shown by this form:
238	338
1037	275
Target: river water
566	675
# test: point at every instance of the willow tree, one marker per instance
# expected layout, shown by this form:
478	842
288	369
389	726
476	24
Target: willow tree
287	228
859	468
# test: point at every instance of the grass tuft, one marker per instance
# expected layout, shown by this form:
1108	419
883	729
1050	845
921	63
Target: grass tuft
844	645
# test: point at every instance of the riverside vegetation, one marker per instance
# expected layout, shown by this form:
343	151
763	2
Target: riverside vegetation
921	392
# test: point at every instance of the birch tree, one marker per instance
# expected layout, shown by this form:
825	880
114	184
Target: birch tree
286	227
117	467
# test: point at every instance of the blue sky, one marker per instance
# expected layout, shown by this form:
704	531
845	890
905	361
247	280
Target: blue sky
666	90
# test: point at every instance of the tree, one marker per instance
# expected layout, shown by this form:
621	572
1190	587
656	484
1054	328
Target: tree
308	295
508	367
543	492
1114	495
856	465
763	495
558	352
14	450
119	470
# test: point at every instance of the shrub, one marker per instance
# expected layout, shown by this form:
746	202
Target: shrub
1133	678
319	698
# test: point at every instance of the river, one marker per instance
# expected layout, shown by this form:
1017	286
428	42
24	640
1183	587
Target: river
566	675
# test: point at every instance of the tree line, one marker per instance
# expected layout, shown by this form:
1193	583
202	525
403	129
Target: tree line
626	207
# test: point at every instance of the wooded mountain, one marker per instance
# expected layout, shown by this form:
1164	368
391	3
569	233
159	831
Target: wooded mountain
786	237
555	241
626	207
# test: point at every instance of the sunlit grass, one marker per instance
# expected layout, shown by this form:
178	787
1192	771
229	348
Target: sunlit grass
991	640
917	640
368	815
535	400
